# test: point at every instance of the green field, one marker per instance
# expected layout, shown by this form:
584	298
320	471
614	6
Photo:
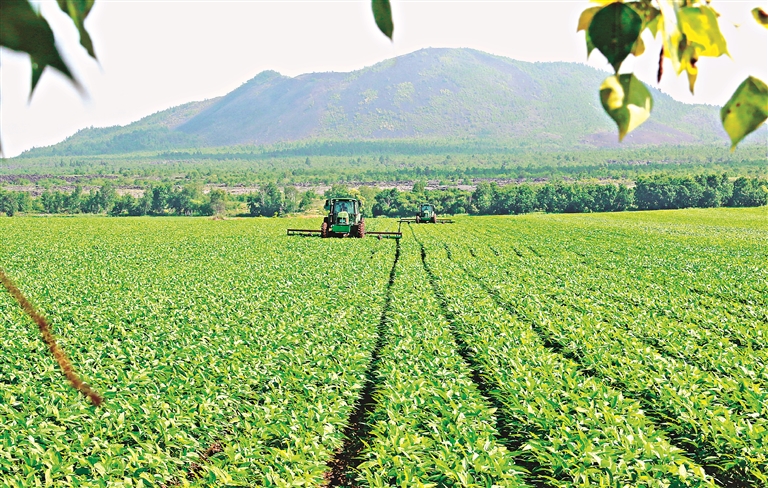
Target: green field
624	349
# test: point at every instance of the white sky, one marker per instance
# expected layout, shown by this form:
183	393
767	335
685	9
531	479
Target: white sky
154	55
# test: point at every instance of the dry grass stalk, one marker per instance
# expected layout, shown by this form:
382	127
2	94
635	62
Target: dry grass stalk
50	340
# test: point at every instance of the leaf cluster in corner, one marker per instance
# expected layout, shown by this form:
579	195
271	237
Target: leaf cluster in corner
689	30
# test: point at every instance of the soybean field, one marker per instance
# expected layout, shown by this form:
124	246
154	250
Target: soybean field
609	350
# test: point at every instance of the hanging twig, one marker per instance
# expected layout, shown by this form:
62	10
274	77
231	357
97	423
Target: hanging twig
50	340
661	65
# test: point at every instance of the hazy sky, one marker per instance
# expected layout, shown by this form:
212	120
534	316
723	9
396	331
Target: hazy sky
158	54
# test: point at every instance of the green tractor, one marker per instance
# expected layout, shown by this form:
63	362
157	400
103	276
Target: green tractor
427	215
344	219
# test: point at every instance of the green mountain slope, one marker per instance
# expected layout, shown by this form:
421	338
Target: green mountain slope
433	94
155	132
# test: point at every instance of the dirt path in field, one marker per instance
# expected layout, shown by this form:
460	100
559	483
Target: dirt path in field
341	468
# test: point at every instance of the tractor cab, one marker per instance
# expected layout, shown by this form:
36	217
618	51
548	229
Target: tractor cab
343	209
426	212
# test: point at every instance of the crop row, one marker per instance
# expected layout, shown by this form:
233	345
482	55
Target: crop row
620	267
204	337
716	264
695	266
652	314
577	430
722	420
431	426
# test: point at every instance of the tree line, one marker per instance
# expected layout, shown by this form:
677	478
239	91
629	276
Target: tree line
649	193
271	200
164	199
233	166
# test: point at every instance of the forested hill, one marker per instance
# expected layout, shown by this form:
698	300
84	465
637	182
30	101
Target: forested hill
434	94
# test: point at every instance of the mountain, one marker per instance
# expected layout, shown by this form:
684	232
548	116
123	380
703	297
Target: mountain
155	132
434	94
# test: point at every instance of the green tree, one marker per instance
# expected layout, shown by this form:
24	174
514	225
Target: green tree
74	201
160	195
386	202
121	206
90	203
273	200
141	206
255	201
24	202
338	191
749	193
306	199
367	195
106	197
182	201
218	201
717	191
291	198
52	201
267	202
516	199
484	198
7	203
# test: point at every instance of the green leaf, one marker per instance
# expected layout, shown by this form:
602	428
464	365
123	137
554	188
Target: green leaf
22	29
687	34
760	16
590	45
746	110
648	13
614	30
701	28
627	101
78	10
37	72
653	25
382	13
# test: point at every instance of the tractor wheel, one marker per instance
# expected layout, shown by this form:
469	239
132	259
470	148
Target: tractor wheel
434	218
361	229
324	230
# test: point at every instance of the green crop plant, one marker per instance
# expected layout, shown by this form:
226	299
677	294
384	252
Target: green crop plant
199	332
623	349
665	311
